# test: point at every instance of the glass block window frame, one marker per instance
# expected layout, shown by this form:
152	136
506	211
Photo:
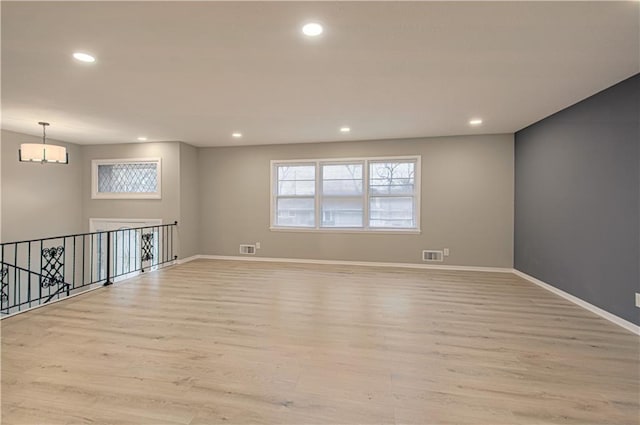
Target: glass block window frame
131	178
336	205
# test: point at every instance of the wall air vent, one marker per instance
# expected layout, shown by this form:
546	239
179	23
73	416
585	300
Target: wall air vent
247	249
432	256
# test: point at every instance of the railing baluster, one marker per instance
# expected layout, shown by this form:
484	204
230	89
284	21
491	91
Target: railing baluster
29	268
91	238
132	268
40	279
64	269
127	252
16	289
108	281
135	250
73	281
15	271
172	254
84	243
115	253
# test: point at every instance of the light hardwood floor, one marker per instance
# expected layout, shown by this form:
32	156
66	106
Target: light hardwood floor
242	342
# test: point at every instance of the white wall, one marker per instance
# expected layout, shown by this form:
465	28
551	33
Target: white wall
189	221
52	199
221	198
466	203
39	200
167	208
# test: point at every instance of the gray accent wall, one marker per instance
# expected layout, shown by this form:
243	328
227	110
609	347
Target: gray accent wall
577	192
39	200
466	202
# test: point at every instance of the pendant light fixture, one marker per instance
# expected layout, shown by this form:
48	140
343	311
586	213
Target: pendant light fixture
41	152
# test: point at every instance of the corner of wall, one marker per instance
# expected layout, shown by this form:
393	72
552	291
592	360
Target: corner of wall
189	196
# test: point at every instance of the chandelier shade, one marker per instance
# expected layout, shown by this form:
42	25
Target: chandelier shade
37	152
41	152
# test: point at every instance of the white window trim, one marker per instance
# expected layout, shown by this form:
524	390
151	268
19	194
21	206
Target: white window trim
116	195
93	222
318	196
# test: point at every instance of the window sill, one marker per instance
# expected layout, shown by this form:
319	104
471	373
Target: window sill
129	196
347	230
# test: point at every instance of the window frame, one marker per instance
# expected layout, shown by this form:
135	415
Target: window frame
321	196
275	196
318	196
95	194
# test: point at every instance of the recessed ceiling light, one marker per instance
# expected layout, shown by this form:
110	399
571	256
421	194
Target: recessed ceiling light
84	57
475	121
312	29
236	135
142	139
345	129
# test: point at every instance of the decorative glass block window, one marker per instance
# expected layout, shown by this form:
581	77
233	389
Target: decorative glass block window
126	178
363	194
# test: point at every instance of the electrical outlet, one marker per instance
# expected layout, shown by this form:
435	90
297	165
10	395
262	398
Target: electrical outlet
446	252
257	245
637	299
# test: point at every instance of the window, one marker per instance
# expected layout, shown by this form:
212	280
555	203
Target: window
295	195
392	194
342	204
126	179
364	194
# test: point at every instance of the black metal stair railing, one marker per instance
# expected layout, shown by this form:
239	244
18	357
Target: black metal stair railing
29	278
34	272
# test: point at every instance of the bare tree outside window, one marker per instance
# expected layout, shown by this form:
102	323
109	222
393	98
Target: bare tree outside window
392	194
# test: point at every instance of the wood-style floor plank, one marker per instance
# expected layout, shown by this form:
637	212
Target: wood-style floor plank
248	342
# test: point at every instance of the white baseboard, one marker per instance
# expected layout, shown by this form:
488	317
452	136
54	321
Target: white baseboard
186	260
352	263
588	306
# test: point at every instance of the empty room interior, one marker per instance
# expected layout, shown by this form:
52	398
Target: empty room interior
320	212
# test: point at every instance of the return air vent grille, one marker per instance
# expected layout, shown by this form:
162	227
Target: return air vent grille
247	249
432	256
